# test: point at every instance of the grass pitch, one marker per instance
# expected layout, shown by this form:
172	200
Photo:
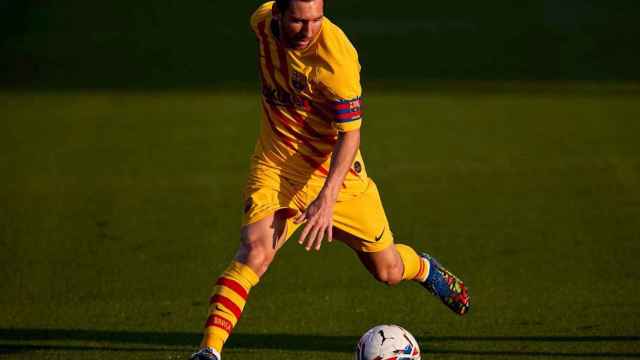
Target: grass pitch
120	209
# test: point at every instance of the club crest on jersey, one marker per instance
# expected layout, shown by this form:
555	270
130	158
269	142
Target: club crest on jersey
299	81
357	167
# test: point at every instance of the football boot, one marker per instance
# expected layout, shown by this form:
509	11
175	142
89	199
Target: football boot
449	288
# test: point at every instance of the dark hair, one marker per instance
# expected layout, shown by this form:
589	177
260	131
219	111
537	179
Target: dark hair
283	5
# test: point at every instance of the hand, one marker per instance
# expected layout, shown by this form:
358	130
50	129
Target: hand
319	218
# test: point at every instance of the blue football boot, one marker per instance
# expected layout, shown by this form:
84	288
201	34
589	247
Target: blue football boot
205	354
443	284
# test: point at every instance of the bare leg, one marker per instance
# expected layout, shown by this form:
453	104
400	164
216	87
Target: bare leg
261	241
259	244
386	265
398	262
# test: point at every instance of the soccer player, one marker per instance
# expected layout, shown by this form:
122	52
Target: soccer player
307	169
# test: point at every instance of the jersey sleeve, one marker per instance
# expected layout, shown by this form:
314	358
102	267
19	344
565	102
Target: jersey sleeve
260	14
339	78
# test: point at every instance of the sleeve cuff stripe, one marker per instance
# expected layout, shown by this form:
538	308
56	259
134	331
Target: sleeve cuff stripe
348	111
349	115
346	104
342	121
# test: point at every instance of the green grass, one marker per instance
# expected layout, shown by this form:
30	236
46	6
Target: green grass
150	44
120	209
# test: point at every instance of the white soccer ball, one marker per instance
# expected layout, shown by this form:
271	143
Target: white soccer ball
387	342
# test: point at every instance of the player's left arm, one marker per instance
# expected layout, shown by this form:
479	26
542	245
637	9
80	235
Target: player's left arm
319	214
339	80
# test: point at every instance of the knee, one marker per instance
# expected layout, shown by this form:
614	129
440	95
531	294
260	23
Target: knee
253	253
390	275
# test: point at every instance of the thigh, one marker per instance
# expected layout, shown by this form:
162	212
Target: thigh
364	219
375	262
267	233
266	194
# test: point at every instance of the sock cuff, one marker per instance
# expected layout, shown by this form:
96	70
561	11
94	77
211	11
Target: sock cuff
244	272
410	260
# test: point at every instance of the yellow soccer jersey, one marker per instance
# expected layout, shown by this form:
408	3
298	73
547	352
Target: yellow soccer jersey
308	96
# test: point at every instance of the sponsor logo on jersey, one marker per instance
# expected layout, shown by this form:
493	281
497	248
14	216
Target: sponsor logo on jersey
299	81
277	96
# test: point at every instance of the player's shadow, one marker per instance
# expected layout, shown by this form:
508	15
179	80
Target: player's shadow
26	340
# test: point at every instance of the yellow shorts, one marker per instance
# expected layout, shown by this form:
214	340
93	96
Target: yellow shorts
358	210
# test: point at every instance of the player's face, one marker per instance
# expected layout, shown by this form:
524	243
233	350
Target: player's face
300	24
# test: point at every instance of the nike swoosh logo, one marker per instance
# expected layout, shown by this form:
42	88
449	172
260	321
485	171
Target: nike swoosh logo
382	233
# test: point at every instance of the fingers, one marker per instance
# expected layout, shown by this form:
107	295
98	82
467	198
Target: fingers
319	222
313	234
319	237
304	233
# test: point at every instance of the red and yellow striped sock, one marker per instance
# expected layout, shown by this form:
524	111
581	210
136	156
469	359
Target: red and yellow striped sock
415	266
226	304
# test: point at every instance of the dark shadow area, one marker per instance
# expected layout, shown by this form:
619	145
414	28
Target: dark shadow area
11	349
143	341
542	354
208	45
535	338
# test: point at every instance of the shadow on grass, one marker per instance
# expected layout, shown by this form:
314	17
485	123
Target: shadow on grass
25	340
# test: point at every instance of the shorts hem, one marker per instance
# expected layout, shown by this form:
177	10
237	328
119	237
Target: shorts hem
364	245
265	214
